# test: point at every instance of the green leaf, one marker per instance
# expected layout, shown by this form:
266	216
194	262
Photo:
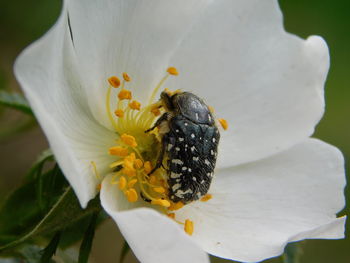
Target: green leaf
15	101
86	245
124	252
64	212
76	231
50	249
21	212
30	253
36	169
292	253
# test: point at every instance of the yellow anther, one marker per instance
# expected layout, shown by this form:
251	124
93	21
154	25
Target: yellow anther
138	163
175	206
223	123
135	105
153	180
122	182
173	71
119	113
155	111
131	195
132	182
129	171
131	157
207	197
124	95
160	202
159	189
126	77
118	151
171	215
129	140
147	167
211	109
99	186
189	227
114	81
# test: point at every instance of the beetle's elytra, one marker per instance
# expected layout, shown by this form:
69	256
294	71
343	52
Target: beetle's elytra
189	144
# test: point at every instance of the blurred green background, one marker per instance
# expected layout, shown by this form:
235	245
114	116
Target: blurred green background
21	140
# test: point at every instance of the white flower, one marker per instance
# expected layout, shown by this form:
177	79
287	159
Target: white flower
273	184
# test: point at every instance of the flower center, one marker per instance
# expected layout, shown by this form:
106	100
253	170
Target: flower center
136	150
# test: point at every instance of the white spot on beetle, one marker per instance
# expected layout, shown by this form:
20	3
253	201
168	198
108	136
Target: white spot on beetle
192	135
184	168
206	162
212	152
197	117
194	178
195	158
193	148
177	130
175	187
177	148
175	175
189	170
186	123
170	146
214	140
181	139
177	161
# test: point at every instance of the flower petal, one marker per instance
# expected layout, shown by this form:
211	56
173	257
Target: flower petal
49	76
133	36
152	237
259	207
267	83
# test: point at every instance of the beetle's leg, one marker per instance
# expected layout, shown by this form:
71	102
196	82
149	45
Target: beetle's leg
159	162
162	118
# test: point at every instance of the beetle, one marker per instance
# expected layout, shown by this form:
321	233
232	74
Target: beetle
189	141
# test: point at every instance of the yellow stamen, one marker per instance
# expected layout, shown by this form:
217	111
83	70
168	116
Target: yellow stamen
129	140
160	202
93	164
147	167
118	151
119	113
155	111
132	182
138	163
135	105
153	180
211	109
114	81
99	186
172	71
223	123
176	206
159	189
124	95
108	108
131	195
115	164
126	77
207	197
189	227
171	215
129	171
122	183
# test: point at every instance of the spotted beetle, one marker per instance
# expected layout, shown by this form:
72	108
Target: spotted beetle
189	140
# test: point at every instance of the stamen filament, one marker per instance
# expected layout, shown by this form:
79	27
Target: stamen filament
108	107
